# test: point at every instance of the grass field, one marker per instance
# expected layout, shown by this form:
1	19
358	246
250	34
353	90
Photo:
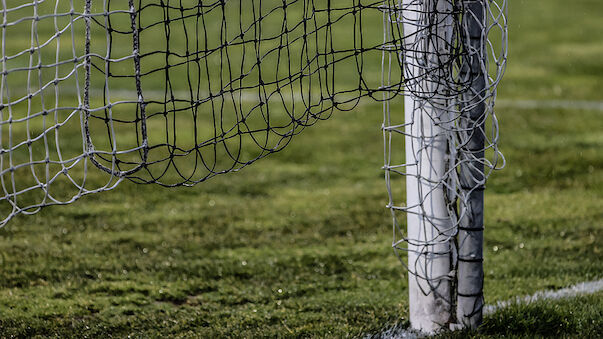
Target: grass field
299	244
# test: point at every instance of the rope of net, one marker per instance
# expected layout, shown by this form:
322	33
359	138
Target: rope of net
95	92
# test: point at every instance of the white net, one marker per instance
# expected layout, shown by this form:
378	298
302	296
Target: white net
95	92
453	55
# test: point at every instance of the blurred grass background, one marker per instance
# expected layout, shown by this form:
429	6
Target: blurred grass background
299	244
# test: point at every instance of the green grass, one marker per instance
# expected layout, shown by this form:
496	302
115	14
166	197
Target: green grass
578	317
299	244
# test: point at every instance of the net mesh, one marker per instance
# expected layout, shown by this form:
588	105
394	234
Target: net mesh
170	92
95	92
453	54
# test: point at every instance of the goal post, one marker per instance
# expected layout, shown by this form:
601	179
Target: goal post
430	228
471	135
453	54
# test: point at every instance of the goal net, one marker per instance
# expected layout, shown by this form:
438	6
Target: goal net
97	92
94	92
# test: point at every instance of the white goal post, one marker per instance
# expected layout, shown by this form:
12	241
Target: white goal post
453	55
430	229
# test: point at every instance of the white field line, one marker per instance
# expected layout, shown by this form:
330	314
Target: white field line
588	287
583	288
552	104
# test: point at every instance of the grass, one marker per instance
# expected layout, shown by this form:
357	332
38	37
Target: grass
578	317
298	245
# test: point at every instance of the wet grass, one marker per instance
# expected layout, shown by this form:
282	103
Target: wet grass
578	317
298	245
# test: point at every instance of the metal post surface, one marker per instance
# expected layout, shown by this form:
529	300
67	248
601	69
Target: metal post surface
427	30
